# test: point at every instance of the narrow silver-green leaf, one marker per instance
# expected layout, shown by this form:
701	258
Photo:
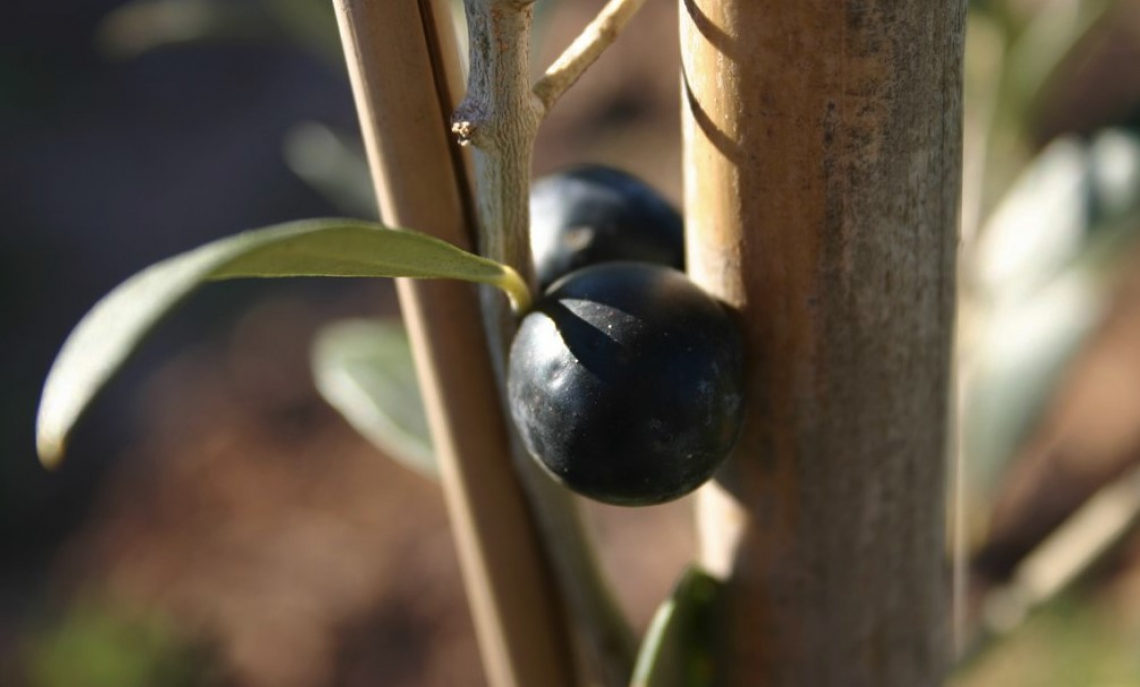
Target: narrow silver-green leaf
678	649
1051	38
1114	178
1038	227
323	247
1075	215
364	369
333	165
311	24
1022	353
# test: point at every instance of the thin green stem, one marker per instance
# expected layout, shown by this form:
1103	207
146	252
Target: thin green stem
513	285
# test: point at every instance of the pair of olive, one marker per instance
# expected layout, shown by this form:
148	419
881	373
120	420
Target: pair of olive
626	379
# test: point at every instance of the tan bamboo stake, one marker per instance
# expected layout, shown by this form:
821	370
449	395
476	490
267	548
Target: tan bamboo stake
822	183
518	616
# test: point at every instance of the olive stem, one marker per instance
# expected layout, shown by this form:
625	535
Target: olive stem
598	35
516	289
499	119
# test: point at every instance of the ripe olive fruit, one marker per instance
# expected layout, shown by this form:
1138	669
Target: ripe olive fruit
591	214
626	383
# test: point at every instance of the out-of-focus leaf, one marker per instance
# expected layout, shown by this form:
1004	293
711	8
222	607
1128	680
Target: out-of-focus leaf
1043	262
141	25
1114	178
679	646
364	369
1044	45
1022	355
309	23
985	52
1069	192
332	164
1039	225
105	337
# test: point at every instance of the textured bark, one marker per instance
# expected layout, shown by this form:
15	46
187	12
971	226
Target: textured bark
823	164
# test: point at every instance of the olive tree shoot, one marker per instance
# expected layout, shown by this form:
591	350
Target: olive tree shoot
780	348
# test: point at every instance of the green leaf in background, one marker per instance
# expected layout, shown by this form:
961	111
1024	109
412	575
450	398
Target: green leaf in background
1114	178
1050	38
364	369
334	165
1043	266
1039	225
310	24
1071	191
1021	356
678	649
105	337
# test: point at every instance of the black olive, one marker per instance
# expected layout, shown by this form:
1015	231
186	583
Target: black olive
592	214
626	383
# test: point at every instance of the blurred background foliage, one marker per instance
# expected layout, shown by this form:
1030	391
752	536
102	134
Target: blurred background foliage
219	524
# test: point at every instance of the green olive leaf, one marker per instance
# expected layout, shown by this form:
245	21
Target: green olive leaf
332	164
1051	38
1038	227
1114	178
364	369
107	335
678	649
1021	354
310	24
1047	269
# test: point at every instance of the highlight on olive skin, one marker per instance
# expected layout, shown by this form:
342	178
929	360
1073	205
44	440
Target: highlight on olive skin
626	383
590	214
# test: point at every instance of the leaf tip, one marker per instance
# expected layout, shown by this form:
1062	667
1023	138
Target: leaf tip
50	448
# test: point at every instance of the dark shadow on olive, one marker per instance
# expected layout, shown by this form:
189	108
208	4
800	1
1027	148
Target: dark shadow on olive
595	349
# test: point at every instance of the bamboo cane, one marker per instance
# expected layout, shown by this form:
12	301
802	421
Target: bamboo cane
822	183
402	103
